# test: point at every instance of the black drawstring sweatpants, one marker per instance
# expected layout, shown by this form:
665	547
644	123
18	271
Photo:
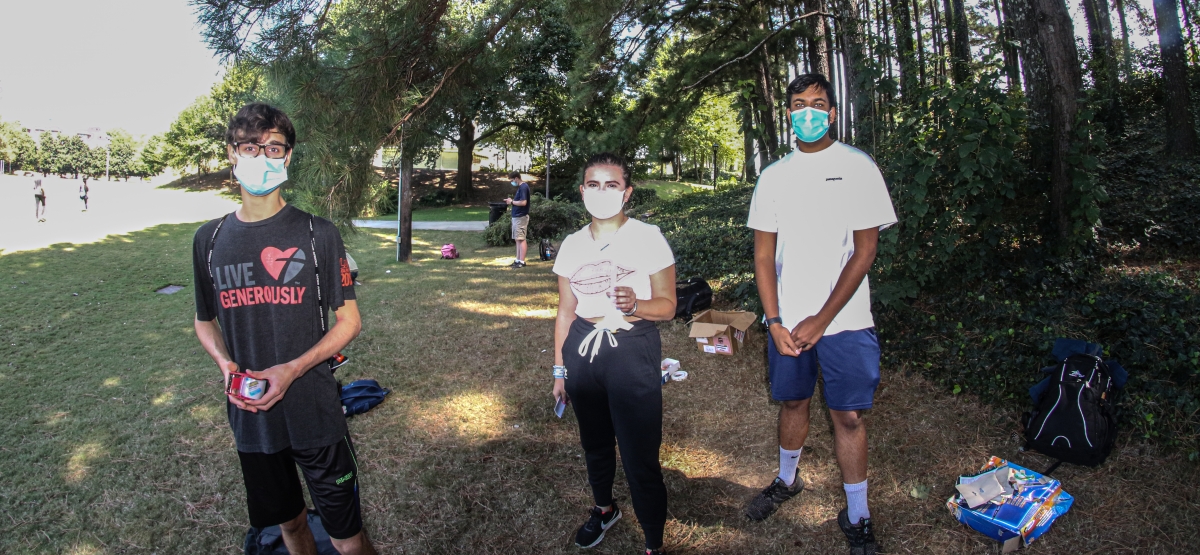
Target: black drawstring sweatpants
619	395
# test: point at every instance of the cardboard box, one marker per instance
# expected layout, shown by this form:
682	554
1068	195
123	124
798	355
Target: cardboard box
1022	510
719	332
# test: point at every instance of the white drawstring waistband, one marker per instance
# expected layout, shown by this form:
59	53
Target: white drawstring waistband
595	338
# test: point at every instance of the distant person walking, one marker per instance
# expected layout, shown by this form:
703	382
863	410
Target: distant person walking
520	217
83	193
39	201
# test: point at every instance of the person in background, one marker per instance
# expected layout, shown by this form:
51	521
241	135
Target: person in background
520	217
83	193
616	278
39	201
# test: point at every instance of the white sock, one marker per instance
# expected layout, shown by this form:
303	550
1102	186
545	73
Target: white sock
788	461
856	501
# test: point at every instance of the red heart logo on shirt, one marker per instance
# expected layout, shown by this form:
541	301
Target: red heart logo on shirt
274	260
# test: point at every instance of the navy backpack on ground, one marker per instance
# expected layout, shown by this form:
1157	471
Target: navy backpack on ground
1073	417
269	540
360	396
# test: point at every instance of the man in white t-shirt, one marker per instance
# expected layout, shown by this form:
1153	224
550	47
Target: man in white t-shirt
816	215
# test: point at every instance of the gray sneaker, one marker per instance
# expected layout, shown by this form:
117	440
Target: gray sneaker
769	499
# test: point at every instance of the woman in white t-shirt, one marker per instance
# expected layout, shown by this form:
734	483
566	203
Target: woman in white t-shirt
616	277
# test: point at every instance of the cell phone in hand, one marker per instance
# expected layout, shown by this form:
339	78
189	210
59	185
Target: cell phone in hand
559	407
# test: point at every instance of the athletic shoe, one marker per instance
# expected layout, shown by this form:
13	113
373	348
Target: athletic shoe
517	264
593	530
659	551
765	503
860	536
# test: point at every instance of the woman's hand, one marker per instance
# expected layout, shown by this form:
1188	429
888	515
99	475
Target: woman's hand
560	391
624	298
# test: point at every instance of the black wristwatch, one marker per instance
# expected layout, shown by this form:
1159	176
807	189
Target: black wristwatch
775	320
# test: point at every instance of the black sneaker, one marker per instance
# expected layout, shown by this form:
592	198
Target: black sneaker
593	530
517	264
765	503
860	536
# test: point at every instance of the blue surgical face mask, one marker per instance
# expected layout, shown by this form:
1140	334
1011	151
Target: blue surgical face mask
514	183
810	124
260	175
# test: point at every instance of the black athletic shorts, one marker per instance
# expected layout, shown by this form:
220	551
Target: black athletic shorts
273	493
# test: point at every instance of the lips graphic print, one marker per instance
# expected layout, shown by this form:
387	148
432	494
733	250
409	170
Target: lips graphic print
598	278
274	261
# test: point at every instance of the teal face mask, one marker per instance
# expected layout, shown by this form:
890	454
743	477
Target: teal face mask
260	175
810	124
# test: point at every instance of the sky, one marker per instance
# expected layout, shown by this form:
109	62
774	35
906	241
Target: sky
77	64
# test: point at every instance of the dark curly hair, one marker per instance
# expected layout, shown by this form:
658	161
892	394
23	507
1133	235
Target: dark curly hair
803	82
257	118
610	159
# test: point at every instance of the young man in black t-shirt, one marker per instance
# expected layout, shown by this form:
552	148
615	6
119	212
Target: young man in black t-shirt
268	273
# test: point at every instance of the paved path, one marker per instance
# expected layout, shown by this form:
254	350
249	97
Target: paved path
116	208
431	226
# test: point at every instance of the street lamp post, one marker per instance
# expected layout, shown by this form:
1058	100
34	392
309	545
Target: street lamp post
716	148
549	140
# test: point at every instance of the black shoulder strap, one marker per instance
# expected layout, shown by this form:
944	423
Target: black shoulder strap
312	238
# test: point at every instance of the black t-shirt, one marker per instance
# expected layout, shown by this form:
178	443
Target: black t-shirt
522	194
262	291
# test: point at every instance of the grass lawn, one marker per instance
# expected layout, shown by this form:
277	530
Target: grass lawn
670	189
116	439
470	213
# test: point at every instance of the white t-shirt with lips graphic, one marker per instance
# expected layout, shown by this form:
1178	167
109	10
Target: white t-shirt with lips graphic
626	258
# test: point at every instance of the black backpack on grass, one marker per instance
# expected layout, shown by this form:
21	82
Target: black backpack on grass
692	296
269	540
1072	419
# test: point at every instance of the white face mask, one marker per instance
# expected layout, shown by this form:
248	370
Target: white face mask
260	175
603	204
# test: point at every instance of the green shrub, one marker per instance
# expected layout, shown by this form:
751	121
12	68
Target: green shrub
708	234
990	338
548	219
642	199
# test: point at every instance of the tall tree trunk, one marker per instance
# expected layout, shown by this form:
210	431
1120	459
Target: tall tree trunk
1053	84
939	44
1012	67
818	50
920	42
852	37
960	47
466	155
767	115
1180	129
1187	24
748	141
1126	52
902	22
1103	66
405	207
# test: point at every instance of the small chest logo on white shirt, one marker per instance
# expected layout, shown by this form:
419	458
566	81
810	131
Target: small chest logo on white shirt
599	277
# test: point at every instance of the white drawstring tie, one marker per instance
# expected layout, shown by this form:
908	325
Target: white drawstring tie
593	341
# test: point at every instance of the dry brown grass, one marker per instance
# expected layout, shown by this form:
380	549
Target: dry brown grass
466	455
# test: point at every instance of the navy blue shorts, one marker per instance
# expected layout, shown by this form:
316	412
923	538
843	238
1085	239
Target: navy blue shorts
849	362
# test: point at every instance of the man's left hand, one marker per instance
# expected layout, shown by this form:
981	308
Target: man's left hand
808	332
279	378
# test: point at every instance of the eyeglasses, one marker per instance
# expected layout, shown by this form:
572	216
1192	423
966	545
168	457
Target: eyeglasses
252	150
